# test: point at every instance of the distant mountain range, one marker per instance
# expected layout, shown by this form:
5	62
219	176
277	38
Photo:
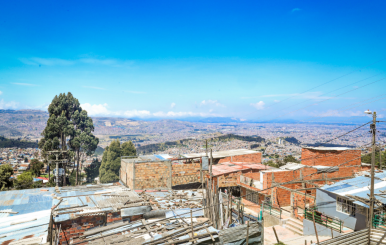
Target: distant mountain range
322	120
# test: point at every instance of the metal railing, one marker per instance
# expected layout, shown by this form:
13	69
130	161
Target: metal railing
272	210
379	221
322	219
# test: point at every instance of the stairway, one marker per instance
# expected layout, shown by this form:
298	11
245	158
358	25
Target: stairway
295	226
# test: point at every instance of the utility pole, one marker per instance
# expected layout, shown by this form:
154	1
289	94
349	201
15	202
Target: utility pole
206	147
373	131
380	157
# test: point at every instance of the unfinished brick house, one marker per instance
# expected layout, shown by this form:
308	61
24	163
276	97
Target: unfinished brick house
143	173
238	155
151	172
301	179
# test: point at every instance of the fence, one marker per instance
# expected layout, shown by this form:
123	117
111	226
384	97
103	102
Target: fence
322	219
272	210
379	221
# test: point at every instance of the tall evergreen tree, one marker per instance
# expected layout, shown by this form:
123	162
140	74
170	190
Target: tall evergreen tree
67	121
111	160
83	140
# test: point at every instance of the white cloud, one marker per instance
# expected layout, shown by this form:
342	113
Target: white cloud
295	10
173	105
93	110
136	113
336	113
92	87
259	105
211	102
177	114
102	110
8	105
1	93
25	84
62	62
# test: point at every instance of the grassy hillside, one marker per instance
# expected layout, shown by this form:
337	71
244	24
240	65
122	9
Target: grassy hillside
8	143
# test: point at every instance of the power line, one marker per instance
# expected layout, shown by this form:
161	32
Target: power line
328	81
327	99
333	91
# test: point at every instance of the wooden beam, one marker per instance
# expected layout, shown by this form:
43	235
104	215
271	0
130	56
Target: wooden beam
304	189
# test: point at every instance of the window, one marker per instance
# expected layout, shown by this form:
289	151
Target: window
252	196
345	206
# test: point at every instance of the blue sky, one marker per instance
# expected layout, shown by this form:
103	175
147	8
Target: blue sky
173	59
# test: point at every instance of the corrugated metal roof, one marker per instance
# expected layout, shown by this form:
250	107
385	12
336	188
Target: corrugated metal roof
360	187
33	224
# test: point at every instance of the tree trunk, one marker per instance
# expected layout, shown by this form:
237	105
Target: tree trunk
77	169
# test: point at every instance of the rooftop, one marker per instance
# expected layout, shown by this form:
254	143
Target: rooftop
222	154
360	187
321	148
230	167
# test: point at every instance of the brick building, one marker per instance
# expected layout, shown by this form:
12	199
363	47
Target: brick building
237	155
144	173
320	166
330	156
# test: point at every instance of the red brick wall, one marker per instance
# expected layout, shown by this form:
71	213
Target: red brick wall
152	175
312	157
282	197
300	201
185	173
253	157
76	227
155	175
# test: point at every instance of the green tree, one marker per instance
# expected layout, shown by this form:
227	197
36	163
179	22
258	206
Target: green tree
367	158
272	164
24	181
83	140
111	162
290	158
59	126
25	159
6	172
68	128
92	171
35	167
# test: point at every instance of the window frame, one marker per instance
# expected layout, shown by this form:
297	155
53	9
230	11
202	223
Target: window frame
345	206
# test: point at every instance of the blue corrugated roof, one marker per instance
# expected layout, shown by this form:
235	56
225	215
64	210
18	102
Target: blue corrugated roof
356	183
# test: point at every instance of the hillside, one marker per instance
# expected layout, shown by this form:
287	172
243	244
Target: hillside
8	143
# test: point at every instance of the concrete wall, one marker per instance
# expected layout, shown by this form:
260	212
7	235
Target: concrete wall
126	174
312	157
253	158
270	220
309	230
326	203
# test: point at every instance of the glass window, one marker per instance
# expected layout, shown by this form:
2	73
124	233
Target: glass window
345	206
